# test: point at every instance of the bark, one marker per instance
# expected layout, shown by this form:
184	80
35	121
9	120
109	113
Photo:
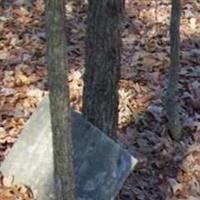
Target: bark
102	73
171	105
59	101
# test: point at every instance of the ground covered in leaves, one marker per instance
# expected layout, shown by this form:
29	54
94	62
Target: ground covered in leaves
166	169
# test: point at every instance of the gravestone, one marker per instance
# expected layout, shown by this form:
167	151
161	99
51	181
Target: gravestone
101	165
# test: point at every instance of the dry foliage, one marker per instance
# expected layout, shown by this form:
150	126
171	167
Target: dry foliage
167	170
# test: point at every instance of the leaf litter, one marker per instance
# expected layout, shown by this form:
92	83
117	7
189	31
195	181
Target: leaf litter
166	169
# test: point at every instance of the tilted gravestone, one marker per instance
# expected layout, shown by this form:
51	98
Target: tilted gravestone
101	166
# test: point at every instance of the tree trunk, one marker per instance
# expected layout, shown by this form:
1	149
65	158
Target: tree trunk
59	101
171	105
103	45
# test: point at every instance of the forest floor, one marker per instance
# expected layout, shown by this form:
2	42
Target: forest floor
166	169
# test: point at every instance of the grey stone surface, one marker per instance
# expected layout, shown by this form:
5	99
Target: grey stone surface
101	166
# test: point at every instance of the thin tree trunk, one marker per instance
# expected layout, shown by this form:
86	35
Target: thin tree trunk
171	105
103	45
59	101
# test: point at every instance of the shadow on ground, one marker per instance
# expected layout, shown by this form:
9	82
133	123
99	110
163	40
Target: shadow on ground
167	169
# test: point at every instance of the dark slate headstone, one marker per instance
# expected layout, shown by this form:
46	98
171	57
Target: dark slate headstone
101	165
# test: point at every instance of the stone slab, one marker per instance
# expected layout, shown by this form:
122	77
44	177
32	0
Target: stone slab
101	165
